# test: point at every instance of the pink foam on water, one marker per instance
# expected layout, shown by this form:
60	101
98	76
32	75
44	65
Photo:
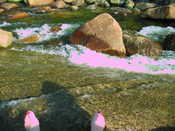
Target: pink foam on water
30	120
94	59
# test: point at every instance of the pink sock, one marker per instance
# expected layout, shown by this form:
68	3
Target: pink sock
98	122
30	120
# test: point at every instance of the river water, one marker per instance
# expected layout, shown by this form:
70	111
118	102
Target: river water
80	55
44	77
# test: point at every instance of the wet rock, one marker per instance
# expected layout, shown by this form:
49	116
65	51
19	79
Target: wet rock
141	45
55	29
6	38
79	3
69	1
92	7
39	2
163	12
2	10
144	5
90	1
102	3
30	39
2	1
18	15
74	7
117	2
8	6
121	11
42	9
129	4
60	4
169	42
103	34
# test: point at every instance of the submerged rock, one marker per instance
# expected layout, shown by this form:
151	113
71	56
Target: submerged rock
163	12
103	34
141	45
6	38
39	2
169	42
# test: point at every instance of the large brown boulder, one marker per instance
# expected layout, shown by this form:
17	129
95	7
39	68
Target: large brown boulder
136	44
39	2
103	34
169	42
6	38
163	12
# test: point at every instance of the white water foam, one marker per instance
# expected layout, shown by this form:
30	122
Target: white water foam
156	33
83	56
44	31
137	63
4	24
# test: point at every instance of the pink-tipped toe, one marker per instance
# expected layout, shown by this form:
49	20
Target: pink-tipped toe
30	120
98	122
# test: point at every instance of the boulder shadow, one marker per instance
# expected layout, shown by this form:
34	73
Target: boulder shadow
63	113
58	111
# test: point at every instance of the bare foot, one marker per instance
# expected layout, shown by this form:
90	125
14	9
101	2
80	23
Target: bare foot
31	123
98	122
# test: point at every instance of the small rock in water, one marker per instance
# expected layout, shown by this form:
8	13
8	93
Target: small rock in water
1	10
9	6
30	39
6	38
55	29
39	2
18	15
60	4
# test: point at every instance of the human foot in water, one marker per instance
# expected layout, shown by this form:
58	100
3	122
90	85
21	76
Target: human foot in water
31	123
98	122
